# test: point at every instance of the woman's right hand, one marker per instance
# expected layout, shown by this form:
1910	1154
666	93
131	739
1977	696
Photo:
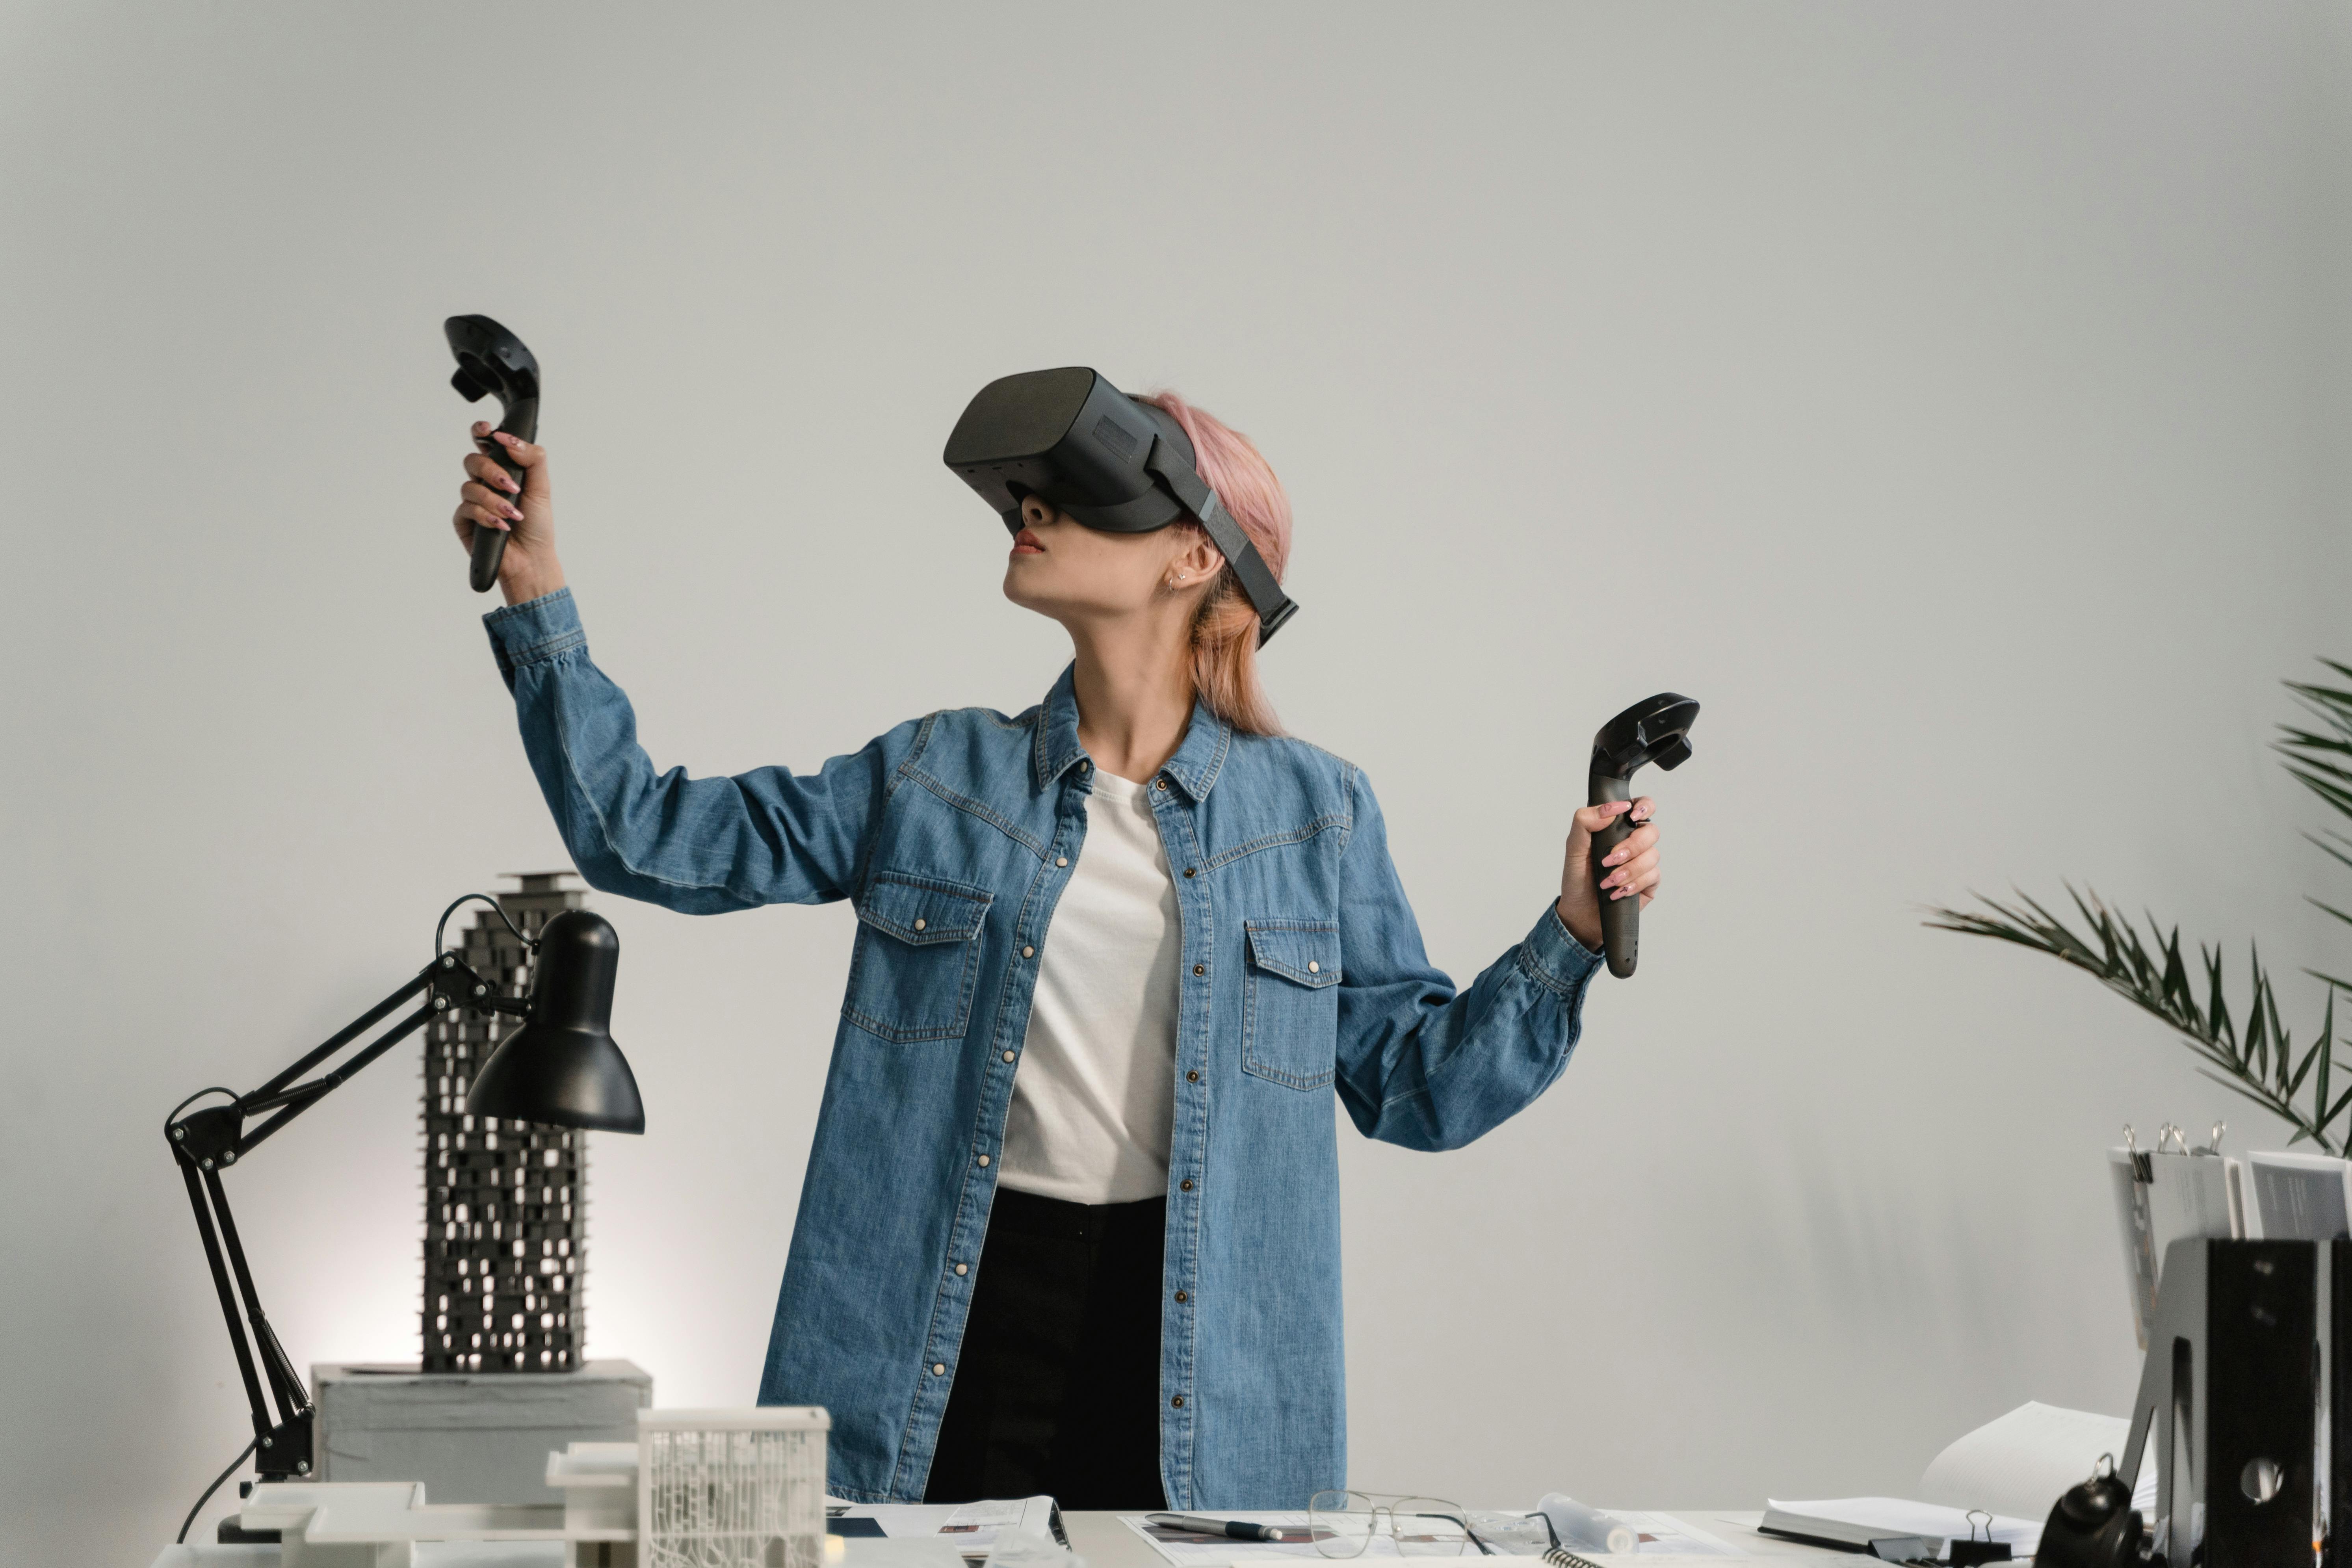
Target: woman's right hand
490	498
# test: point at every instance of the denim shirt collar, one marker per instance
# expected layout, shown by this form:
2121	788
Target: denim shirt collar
1194	766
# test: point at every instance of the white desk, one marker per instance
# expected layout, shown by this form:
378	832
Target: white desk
1104	1542
1100	1538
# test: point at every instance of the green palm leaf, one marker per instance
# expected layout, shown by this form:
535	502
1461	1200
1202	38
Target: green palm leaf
2150	973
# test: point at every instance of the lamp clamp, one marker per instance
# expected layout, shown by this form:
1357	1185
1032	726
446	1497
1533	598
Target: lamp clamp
455	985
295	1435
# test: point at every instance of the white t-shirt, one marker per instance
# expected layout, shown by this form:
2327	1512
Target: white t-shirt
1094	1100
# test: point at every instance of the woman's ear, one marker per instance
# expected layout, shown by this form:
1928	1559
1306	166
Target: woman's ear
1199	562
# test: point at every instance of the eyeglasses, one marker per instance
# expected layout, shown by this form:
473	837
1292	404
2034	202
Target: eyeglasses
1344	1523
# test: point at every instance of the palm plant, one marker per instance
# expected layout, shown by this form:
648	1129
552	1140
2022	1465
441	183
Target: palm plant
2259	1062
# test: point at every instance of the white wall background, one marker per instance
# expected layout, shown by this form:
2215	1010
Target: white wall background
1951	397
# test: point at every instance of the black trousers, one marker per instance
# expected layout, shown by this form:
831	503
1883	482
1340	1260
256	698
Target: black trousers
1058	1386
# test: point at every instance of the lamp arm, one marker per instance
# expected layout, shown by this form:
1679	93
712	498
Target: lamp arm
204	1142
198	1201
285	1384
293	1102
344	1035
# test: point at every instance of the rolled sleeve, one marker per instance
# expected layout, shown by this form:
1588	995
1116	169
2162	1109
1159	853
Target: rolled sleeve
1554	958
700	845
536	631
1421	1063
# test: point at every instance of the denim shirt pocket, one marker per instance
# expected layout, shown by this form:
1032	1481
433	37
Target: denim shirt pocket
1290	1004
918	954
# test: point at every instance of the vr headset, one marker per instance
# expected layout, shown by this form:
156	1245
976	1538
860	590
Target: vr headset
1074	440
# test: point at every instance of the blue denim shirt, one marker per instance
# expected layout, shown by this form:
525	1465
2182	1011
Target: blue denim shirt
1304	986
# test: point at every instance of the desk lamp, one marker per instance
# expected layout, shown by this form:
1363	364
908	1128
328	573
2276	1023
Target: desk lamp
561	1067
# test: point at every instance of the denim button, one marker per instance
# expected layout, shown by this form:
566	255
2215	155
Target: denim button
1180	1296
1028	952
1190	869
960	1268
1163	785
983	1159
1200	969
1186	1183
1312	967
1191	1077
1178	1401
1061	860
921	923
1008	1055
939	1368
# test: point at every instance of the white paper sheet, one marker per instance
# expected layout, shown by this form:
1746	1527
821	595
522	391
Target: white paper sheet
1187	1550
971	1527
1665	1535
2022	1463
1660	1534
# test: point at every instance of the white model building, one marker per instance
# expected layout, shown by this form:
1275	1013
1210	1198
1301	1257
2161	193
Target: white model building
699	1488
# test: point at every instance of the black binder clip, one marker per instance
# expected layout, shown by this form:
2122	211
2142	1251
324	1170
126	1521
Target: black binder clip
1966	1554
1917	1552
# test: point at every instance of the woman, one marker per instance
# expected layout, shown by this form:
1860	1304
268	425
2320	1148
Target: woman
1071	1219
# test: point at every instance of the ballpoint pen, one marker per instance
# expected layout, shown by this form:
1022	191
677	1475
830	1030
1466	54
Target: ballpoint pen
1234	1529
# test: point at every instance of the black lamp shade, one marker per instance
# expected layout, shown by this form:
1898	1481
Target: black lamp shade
562	1066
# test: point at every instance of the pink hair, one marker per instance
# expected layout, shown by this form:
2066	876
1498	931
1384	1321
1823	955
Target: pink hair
1225	628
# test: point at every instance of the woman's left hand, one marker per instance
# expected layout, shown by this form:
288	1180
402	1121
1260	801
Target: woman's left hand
1630	870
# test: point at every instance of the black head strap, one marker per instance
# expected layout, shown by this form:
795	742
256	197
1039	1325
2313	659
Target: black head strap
1176	471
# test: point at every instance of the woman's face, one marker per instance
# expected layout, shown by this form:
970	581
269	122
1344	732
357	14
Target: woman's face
1063	569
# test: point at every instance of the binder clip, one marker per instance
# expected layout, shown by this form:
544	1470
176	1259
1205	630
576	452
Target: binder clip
1968	1554
1918	1552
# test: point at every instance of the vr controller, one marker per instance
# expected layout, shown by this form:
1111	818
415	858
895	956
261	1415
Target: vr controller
492	359
1656	730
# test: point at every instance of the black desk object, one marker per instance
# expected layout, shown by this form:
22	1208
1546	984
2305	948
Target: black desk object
2230	1391
562	1066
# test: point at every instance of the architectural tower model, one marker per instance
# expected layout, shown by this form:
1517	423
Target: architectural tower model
505	1201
